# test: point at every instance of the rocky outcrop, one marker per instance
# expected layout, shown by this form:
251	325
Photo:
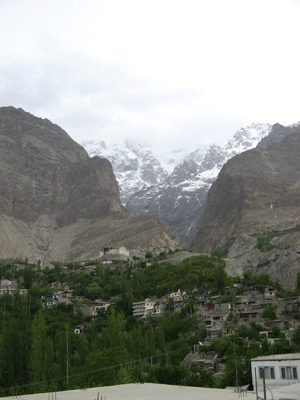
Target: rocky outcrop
257	195
58	203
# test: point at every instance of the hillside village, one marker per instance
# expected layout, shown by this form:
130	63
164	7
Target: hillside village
250	304
144	315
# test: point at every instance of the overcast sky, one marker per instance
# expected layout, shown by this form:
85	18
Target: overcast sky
166	73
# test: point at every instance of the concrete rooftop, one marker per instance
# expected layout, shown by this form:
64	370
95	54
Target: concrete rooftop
150	391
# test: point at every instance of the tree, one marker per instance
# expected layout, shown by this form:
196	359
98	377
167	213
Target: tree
41	353
61	347
14	351
108	367
269	313
218	252
298	282
28	276
296	337
93	291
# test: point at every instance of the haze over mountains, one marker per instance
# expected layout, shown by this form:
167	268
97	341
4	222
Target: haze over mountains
175	188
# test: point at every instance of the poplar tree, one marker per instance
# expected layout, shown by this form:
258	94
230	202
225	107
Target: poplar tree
41	355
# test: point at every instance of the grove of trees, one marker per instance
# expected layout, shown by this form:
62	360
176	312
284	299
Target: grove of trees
39	350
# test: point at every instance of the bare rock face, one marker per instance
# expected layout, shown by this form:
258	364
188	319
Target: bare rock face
257	191
56	202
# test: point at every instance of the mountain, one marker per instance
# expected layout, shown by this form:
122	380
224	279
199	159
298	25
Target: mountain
179	199
253	208
135	167
58	203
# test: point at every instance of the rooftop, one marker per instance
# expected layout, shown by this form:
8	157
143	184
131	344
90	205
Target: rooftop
146	391
150	391
279	357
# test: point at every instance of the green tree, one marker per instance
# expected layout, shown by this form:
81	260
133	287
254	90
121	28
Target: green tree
264	241
14	351
296	336
62	352
93	291
41	355
107	366
28	276
269	313
298	283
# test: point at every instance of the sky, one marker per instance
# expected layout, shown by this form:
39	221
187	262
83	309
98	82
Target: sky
165	73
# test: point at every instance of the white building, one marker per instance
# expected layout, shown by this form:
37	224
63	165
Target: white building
278	369
114	252
10	287
176	296
141	309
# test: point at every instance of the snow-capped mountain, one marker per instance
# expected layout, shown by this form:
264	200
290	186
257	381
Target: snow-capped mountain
176	186
135	167
179	199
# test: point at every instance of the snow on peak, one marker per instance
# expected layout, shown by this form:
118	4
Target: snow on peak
247	138
135	167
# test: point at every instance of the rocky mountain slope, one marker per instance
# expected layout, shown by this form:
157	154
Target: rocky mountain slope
253	208
58	203
180	197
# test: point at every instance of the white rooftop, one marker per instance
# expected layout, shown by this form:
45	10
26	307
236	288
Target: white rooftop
278	357
150	391
146	391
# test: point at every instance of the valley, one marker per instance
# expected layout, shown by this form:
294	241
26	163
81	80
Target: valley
118	268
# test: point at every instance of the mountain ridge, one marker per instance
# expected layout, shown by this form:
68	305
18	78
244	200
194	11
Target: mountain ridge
180	195
56	202
256	200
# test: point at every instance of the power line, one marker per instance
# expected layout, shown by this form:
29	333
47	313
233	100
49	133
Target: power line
139	360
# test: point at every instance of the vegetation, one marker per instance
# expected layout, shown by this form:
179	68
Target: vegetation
269	313
264	241
39	350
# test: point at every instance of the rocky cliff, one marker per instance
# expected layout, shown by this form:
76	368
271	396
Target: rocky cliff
256	199
58	203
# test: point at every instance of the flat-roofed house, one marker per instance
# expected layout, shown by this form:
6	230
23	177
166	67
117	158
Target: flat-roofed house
277	369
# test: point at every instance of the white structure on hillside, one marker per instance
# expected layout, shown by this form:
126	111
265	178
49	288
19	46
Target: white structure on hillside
142	309
10	287
176	296
279	370
114	252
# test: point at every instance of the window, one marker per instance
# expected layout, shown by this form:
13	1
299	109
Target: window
295	374
289	373
268	371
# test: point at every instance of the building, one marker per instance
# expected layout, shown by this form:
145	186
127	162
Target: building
119	253
141	309
11	288
278	370
177	296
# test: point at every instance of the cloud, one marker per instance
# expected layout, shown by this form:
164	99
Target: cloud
166	73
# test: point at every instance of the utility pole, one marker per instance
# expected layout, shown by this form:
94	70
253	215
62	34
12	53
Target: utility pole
67	353
264	383
234	349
